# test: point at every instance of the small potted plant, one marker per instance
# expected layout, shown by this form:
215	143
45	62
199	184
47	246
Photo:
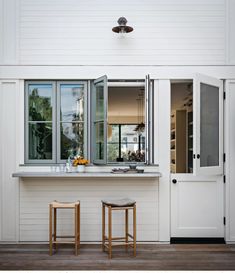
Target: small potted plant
80	163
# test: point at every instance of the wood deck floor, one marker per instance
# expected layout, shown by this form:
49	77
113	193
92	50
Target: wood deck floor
149	257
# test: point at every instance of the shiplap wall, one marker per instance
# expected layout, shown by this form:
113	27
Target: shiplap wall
79	32
36	194
230	155
9	160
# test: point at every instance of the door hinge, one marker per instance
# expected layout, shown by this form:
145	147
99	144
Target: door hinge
224	220
224	178
224	157
224	95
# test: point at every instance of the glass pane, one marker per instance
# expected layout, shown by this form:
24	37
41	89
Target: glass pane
113	142
113	151
99	101
40	141
209	125
99	142
133	142
40	102
72	139
131	145
72	102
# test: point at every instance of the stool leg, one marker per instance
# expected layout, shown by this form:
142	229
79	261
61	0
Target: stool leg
76	230
110	233
79	215
55	220
126	227
134	230
50	229
103	227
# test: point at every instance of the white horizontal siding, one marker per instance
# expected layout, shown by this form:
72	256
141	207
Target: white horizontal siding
165	32
35	195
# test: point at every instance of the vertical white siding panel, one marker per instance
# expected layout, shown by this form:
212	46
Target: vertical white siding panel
1	31
164	158
230	155
165	32
9	193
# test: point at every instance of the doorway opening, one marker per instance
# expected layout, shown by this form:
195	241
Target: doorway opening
126	132
182	127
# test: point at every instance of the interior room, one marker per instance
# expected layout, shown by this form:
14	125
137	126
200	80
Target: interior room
126	124
182	127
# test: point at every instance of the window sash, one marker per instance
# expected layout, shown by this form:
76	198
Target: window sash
27	122
59	122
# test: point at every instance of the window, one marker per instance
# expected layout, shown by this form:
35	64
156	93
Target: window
121	121
55	121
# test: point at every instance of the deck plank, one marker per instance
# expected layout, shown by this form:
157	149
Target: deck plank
149	257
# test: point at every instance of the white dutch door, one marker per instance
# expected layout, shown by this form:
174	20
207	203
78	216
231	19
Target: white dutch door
197	158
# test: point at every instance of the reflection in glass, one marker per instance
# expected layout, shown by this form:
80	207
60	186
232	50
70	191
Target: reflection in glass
99	101
40	141
99	147
125	144
72	102
72	139
40	102
209	125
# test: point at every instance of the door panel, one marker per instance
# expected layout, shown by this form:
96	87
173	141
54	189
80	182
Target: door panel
208	125
196	206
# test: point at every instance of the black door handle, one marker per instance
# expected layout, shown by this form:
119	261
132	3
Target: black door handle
174	181
198	156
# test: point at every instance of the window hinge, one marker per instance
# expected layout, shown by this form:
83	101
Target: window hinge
224	178
224	220
224	157
224	95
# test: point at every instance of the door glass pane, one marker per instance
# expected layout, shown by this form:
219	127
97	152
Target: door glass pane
72	139
72	102
99	145
209	125
99	113
40	141
40	102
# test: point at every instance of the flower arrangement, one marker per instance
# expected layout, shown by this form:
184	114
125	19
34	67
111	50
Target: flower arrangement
78	160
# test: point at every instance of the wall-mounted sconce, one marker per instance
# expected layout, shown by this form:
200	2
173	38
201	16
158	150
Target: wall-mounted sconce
122	28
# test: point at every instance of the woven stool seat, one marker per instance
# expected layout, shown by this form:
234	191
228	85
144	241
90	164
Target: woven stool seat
66	205
124	202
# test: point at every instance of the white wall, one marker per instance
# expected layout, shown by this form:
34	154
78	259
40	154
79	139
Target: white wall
230	155
36	194
64	35
79	32
230	22
9	160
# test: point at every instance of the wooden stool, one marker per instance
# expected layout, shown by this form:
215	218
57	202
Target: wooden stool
109	241
52	223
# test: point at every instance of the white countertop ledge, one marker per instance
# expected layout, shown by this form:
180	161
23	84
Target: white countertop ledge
86	175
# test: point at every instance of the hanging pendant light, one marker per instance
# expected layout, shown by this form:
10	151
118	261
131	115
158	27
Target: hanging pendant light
122	28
